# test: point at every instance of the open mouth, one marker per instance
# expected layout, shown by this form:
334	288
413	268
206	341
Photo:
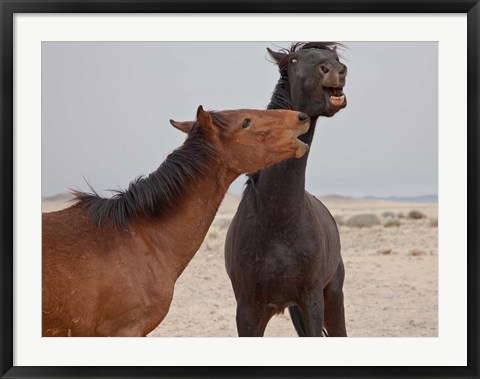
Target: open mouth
302	148
337	98
305	127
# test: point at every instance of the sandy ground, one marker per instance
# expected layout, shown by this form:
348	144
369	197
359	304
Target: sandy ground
390	285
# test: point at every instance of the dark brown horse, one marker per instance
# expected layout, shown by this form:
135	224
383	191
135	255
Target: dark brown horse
109	266
283	248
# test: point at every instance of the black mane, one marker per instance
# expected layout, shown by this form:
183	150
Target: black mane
314	45
153	195
281	98
282	65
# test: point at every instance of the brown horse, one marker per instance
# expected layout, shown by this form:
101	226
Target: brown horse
110	265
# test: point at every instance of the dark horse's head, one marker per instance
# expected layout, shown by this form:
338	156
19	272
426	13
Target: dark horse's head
313	78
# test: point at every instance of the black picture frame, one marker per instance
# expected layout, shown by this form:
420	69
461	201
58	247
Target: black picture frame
7	10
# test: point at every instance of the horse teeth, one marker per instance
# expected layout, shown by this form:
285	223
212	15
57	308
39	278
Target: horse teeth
337	100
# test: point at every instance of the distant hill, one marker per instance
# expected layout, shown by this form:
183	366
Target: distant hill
58	197
333	199
337	199
407	199
233	199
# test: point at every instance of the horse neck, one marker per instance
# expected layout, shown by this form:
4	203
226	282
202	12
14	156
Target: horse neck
181	233
283	183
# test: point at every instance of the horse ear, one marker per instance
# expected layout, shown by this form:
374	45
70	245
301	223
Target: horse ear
184	126
276	55
334	48
204	118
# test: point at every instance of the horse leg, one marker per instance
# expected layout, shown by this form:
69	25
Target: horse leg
298	323
312	312
334	308
252	322
297	320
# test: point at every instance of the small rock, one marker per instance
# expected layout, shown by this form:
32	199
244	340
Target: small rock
384	251
416	252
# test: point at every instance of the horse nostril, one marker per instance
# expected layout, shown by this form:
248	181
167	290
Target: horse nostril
302	117
325	68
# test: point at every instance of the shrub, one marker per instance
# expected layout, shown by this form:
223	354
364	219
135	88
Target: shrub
400	215
388	214
415	215
364	220
390	223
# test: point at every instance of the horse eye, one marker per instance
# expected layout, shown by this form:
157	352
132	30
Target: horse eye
246	123
294	61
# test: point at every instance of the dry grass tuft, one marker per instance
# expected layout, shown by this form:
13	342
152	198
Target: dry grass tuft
339	219
364	220
391	223
388	214
416	215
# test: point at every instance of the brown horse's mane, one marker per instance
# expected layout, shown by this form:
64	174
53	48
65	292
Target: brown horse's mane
151	196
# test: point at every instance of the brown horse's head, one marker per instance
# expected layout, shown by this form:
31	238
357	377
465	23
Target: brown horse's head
315	77
249	140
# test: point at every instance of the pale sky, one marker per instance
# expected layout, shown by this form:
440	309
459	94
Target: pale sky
106	106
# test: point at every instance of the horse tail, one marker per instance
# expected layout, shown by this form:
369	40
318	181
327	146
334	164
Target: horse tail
298	323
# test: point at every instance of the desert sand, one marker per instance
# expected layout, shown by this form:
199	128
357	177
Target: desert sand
391	277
